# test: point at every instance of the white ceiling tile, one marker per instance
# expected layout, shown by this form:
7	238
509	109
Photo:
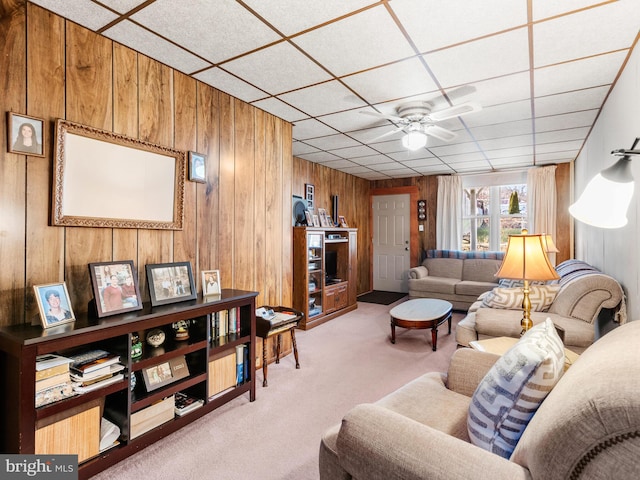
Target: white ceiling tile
277	69
354	152
332	142
550	8
422	162
591	32
571	101
320	157
499	130
355	170
590	72
356	43
122	6
311	128
401	172
544	161
454	149
505	112
486	58
228	33
372	160
222	80
83	12
571	147
435	170
373	176
404	155
567	120
477	166
395	81
566	156
339	164
321	99
467	157
279	109
434	24
389	146
512	162
562	135
507	142
143	41
301	148
382	167
509	152
507	89
353	120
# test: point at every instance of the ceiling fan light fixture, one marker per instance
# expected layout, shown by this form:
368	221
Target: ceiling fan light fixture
414	140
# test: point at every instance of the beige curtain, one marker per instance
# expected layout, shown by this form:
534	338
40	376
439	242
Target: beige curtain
541	203
449	213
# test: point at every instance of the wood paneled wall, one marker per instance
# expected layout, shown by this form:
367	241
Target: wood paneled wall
238	222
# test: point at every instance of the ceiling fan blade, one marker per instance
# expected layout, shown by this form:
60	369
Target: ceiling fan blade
460	92
440	133
455	111
382	115
386	134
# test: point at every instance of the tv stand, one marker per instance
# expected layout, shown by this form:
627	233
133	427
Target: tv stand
319	292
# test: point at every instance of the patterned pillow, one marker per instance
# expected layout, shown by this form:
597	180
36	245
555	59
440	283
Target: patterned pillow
511	283
541	296
511	392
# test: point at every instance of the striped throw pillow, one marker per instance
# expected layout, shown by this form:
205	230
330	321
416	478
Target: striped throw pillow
511	392
541	297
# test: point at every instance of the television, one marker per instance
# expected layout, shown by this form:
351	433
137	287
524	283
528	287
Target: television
330	264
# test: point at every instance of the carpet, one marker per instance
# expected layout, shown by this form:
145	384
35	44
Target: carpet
380	297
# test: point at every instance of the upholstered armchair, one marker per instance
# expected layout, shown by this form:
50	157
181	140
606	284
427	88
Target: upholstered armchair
587	427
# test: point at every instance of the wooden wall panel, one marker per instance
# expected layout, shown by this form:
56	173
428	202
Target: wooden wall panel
13	65
562	238
273	216
227	194
260	186
284	135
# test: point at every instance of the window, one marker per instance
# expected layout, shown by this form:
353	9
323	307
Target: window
492	211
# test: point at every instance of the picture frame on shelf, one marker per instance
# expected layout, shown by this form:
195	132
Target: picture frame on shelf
164	373
316	220
115	287
25	134
170	283
210	282
324	218
309	218
343	221
54	304
310	195
197	169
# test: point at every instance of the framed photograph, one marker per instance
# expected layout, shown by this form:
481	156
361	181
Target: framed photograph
310	195
54	304
316	220
210	282
324	218
115	287
307	216
165	373
25	134
197	171
170	282
343	221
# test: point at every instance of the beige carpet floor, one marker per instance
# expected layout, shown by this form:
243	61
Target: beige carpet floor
344	362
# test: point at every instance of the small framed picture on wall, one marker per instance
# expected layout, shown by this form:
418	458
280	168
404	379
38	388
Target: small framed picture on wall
25	134
310	196
197	172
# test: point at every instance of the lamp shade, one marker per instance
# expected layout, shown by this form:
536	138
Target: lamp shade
547	243
414	140
526	260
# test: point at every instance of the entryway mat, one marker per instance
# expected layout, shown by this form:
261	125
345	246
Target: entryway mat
381	297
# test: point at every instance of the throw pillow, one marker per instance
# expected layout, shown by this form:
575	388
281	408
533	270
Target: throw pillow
511	283
541	297
511	392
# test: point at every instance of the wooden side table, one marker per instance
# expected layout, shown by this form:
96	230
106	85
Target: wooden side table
275	327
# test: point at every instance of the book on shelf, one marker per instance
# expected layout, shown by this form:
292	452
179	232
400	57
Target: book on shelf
50	372
54	394
97	375
88	366
50	361
185	403
109	434
282	317
52	381
240	375
78	387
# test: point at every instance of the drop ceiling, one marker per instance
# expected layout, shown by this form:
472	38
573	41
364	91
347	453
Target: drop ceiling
542	70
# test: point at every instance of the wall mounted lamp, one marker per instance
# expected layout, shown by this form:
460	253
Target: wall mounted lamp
606	198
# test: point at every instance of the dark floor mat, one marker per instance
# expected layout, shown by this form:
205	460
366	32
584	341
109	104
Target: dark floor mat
380	297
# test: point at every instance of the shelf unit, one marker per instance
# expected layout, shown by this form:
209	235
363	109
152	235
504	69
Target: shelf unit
319	296
121	404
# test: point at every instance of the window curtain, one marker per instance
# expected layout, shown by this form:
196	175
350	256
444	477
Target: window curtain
541	203
449	213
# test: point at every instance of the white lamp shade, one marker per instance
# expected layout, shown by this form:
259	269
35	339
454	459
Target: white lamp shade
414	140
603	203
526	260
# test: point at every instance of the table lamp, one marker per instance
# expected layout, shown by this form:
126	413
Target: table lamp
526	260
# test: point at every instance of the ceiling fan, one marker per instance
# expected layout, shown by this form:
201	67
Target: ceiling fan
418	119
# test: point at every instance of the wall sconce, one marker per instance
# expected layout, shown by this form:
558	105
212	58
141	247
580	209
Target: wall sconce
422	210
606	198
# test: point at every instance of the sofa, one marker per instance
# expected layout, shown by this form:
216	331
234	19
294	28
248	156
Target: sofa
456	276
575	303
587	427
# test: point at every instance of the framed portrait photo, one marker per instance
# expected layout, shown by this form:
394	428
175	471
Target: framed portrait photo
165	373
210	282
310	195
54	304
324	218
25	134
115	287
309	219
316	220
170	282
197	172
343	221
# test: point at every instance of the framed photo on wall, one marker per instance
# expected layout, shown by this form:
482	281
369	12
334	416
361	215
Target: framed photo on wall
310	196
115	287
170	283
54	304
197	172
25	134
210	282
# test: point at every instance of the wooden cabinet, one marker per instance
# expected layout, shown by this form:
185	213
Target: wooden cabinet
143	415
324	273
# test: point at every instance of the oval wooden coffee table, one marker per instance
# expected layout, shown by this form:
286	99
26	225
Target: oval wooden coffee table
419	314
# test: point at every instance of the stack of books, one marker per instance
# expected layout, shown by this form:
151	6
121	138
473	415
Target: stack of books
53	381
95	369
185	403
225	324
